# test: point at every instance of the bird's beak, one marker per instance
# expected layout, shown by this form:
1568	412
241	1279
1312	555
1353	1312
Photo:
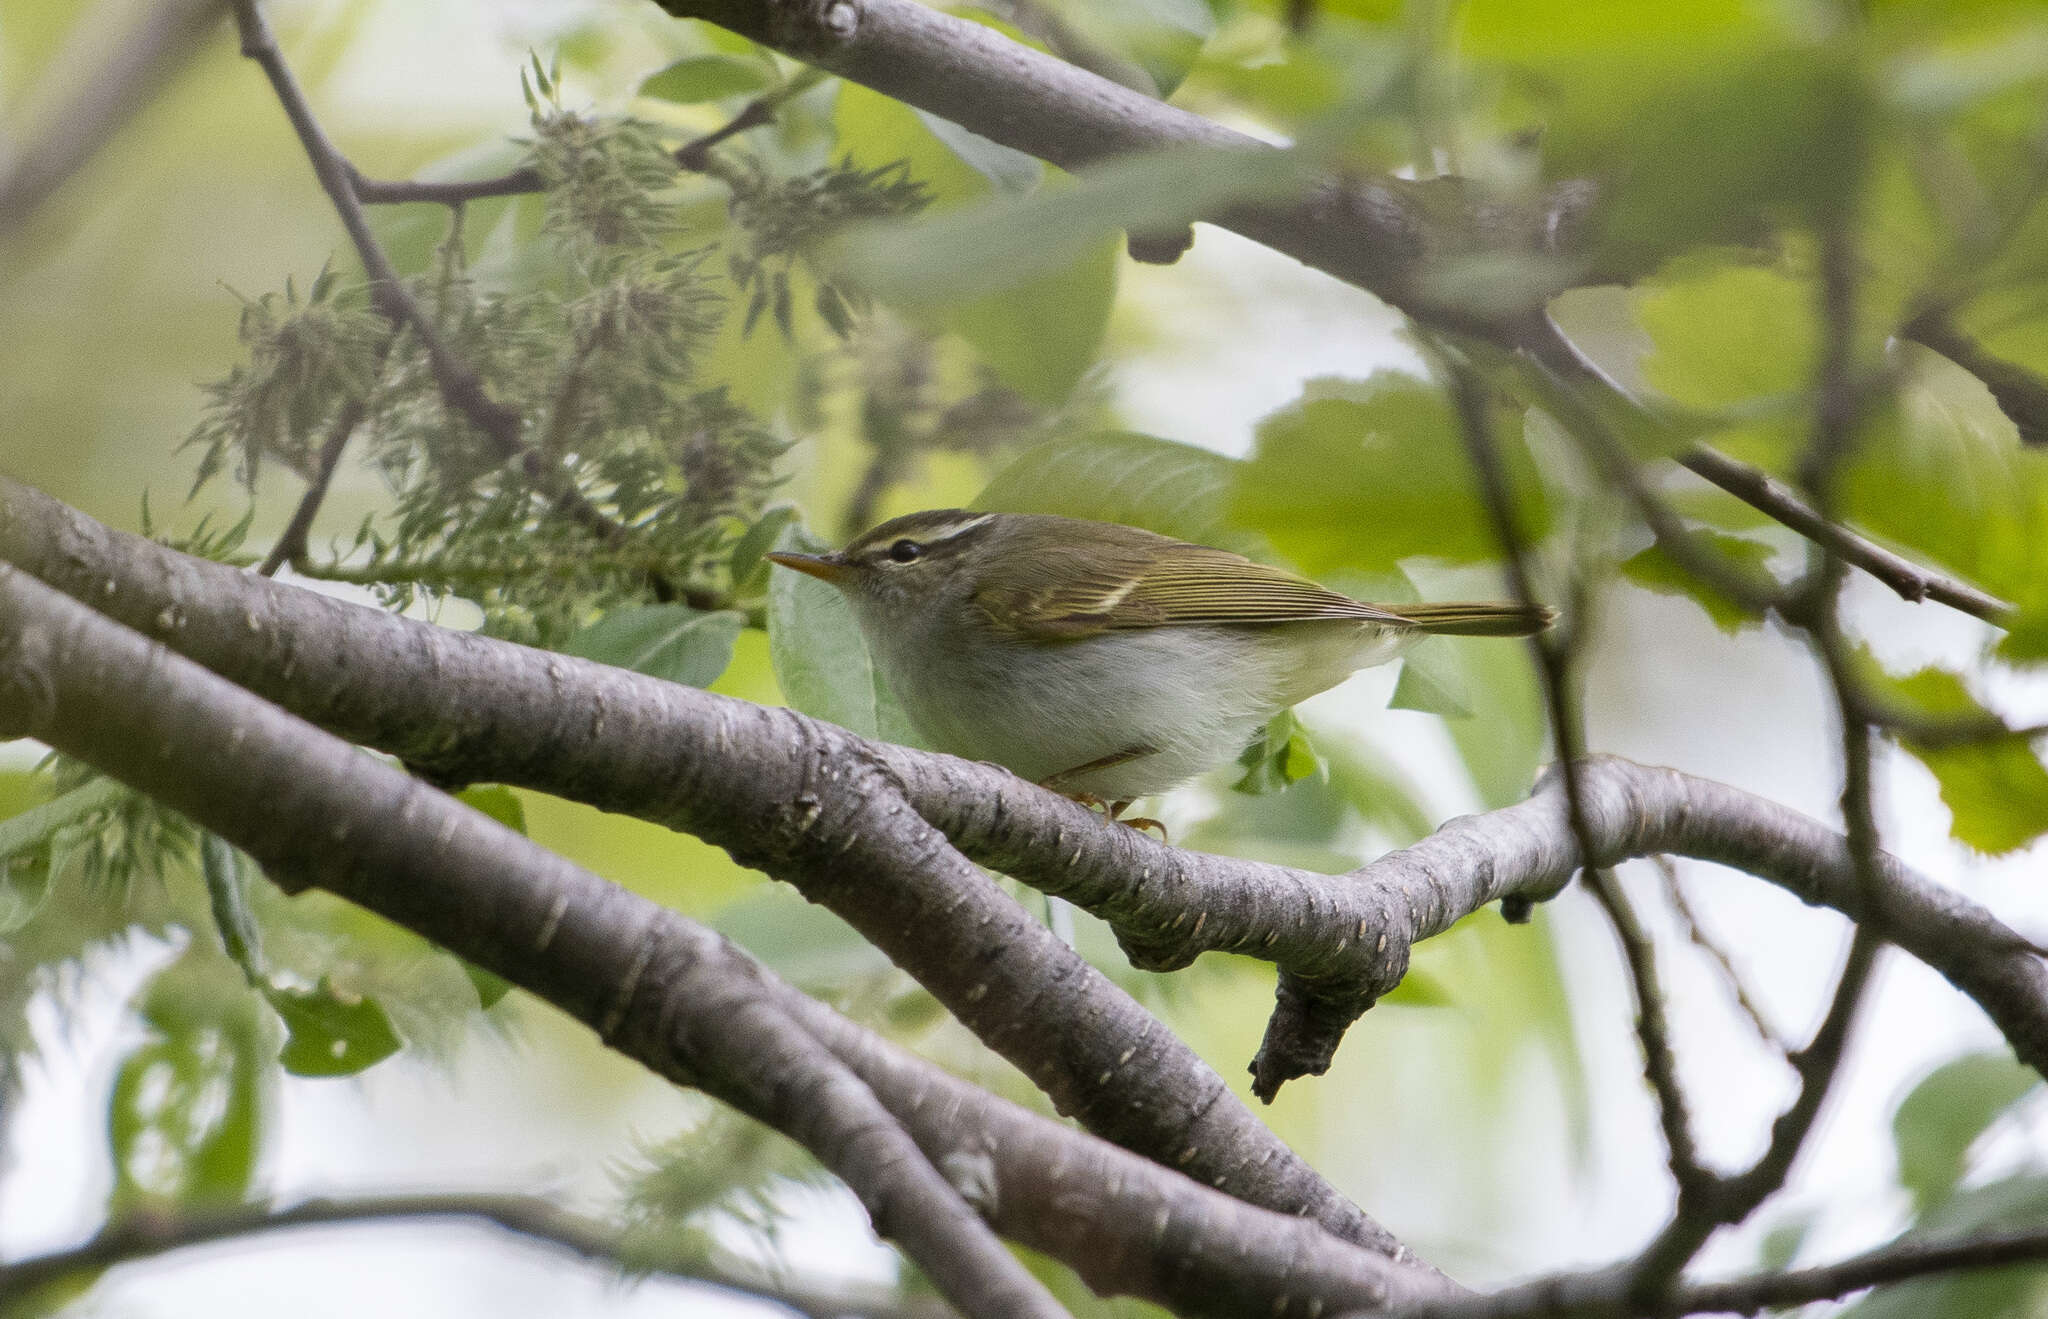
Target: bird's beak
825	567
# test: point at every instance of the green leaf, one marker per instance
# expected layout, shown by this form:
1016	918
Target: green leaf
749	552
1366	473
1433	681
1655	570
1942	1117
332	1033
1945	475
672	641
491	988
25	858
697	78
968	253
801	941
1279	756
1419	989
1121	476
2011	1293
497	801
1996	790
1727	335
1042	337
184	1114
820	659
1160	38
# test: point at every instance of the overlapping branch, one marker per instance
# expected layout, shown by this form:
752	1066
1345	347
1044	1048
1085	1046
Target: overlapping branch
1386	235
666	991
756	780
804	801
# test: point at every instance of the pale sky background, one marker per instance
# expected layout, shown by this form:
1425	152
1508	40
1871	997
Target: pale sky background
1234	330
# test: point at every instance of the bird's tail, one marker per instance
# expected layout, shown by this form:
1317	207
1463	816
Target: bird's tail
1478	620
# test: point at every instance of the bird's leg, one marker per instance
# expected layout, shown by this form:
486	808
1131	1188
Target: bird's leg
1116	812
1057	781
1110	810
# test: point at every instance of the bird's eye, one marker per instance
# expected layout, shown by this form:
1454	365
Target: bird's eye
906	551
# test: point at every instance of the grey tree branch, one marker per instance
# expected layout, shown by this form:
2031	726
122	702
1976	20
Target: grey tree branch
1382	234
727	770
146	1235
90	90
804	801
663	990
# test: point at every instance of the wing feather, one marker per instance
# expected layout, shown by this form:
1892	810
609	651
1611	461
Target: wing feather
1135	579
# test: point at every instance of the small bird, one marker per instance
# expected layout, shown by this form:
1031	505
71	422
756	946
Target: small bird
1103	661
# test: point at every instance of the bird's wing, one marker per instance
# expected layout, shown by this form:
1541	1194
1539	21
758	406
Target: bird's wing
1142	580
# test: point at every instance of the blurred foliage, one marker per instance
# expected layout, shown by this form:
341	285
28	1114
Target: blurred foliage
853	308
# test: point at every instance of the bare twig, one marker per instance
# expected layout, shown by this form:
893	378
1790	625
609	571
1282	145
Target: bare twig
1731	975
1605	1295
2021	394
1549	347
693	155
1554	660
145	1235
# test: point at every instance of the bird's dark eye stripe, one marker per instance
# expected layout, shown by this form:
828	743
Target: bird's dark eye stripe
906	551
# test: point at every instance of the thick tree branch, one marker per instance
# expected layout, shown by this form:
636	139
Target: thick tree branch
805	801
665	991
146	1235
729	771
1387	235
660	988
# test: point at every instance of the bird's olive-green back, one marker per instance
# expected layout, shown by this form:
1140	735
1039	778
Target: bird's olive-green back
1065	582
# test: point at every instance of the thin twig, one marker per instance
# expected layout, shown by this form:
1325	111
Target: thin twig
142	1236
693	156
1604	1294
1548	346
1554	658
1731	975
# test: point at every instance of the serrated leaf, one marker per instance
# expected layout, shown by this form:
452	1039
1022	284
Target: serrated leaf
671	641
1945	475
1121	476
1655	570
820	659
332	1033
1433	681
1996	789
1941	1118
1365	473
696	78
